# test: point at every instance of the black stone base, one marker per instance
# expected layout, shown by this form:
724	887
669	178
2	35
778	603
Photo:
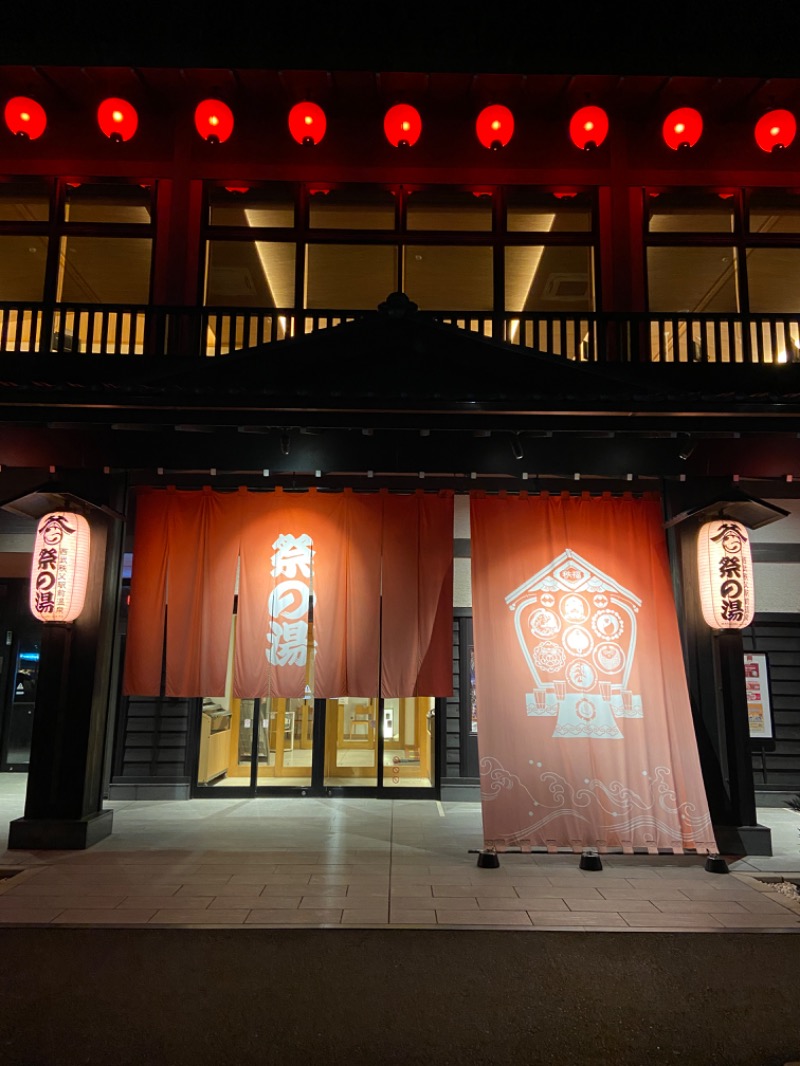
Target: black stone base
743	840
59	834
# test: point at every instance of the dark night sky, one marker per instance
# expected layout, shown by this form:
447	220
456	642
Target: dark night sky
608	36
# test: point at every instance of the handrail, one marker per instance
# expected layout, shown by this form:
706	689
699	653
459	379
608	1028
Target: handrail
581	336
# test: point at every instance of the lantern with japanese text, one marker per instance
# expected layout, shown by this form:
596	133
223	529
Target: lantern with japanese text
725	574
60	567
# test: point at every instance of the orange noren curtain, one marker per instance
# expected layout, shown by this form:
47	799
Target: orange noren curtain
309	559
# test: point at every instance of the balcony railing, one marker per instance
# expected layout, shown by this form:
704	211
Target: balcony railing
592	337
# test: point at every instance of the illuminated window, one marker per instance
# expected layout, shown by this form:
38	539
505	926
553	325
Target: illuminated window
97	202
355	207
22	268
104	270
250	274
449	278
270	207
349	276
692	279
530	211
443	210
549	278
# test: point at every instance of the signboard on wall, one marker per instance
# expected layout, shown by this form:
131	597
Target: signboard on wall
759	712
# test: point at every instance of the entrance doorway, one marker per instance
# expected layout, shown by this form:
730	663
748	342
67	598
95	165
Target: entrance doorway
350	746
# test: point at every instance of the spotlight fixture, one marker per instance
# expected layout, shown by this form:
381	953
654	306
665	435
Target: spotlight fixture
516	447
686	449
286	443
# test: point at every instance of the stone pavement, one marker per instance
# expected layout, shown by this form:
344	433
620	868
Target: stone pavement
323	863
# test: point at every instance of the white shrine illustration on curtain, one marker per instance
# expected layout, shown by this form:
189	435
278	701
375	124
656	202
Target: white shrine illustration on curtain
577	630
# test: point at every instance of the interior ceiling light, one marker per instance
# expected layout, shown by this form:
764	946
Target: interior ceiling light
307	123
588	127
213	120
775	130
402	125
117	119
682	128
25	118
494	126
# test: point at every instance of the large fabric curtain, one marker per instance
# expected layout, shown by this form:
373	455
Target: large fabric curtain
363	580
585	729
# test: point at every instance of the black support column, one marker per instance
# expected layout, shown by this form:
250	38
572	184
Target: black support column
64	802
715	674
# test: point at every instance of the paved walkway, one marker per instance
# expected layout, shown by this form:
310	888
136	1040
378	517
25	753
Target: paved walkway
370	864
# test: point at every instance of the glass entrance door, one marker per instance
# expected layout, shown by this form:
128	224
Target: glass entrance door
318	747
380	743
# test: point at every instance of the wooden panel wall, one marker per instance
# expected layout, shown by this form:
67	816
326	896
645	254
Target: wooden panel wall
776	762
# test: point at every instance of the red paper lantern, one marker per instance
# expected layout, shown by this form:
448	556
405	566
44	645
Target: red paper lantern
214	121
25	118
776	129
402	125
682	128
117	119
494	126
307	123
588	127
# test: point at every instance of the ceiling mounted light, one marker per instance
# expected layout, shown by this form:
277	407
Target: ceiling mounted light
307	123
682	128
494	126
775	130
588	127
117	119
402	125
25	118
213	120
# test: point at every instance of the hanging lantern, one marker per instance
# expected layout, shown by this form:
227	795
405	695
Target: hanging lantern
588	128
60	567
117	119
213	120
25	118
682	128
775	130
725	574
494	126
402	125
307	123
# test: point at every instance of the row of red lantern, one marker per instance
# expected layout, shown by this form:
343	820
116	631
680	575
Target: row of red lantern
402	124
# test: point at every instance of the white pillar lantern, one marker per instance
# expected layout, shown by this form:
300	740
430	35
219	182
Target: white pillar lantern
60	567
725	574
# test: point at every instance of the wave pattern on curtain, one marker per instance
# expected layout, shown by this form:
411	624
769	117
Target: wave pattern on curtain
368	576
584	723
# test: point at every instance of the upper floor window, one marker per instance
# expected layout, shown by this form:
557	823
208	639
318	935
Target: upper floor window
449	248
723	252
